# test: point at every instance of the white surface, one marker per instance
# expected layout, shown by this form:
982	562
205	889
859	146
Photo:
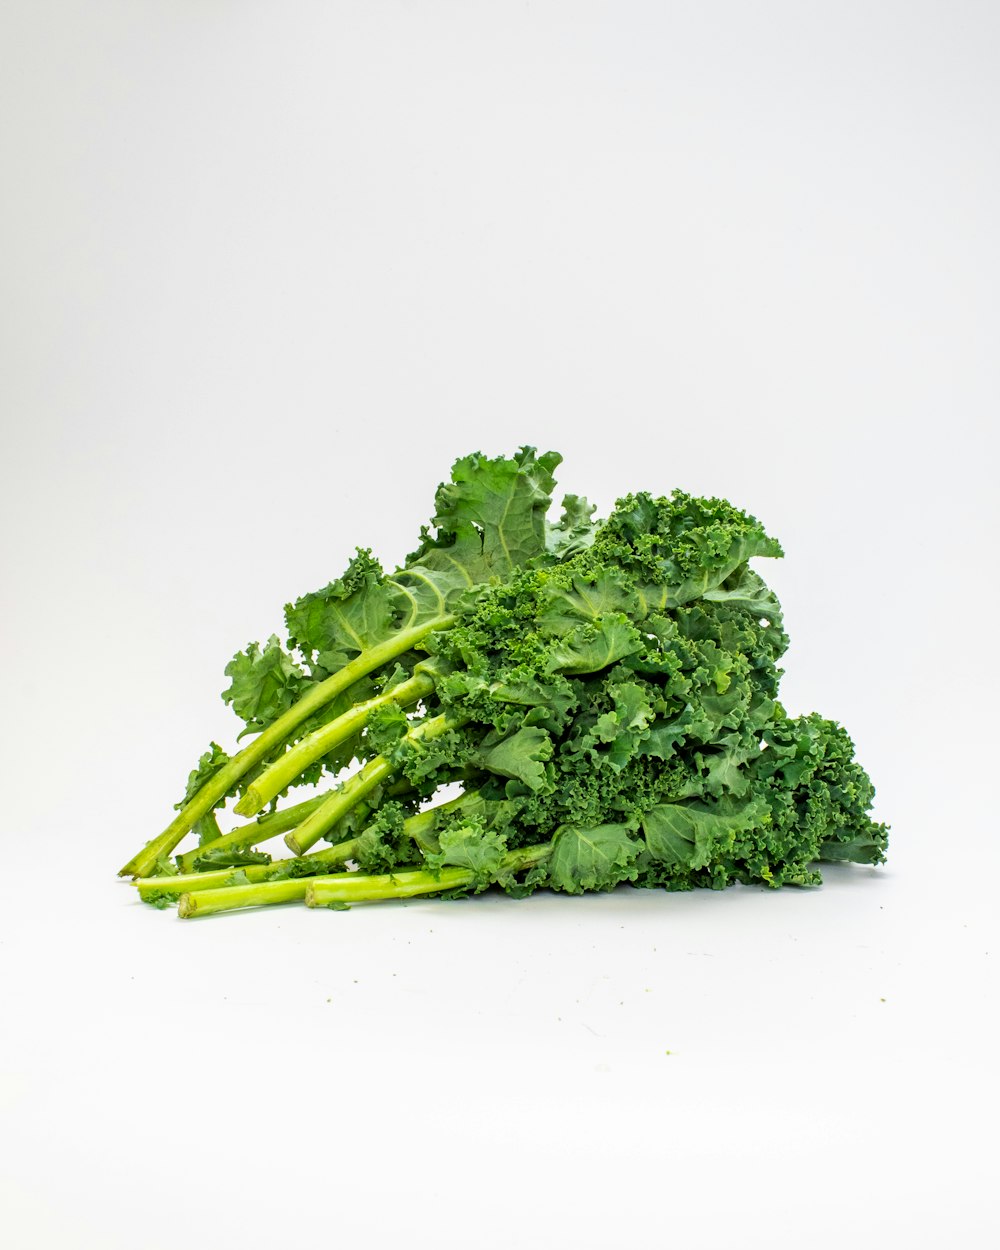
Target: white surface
267	269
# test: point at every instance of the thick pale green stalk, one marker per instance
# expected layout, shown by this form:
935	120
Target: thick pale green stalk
359	786
416	827
270	826
345	887
273	736
153	887
325	891
323	740
191	882
232	897
351	888
348	796
255	832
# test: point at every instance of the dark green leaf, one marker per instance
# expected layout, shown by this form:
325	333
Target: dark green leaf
592	859
264	683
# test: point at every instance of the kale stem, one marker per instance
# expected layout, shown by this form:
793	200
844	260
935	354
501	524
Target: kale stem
345	887
416	827
229	898
360	785
191	882
255	832
339	803
323	740
352	888
218	786
266	827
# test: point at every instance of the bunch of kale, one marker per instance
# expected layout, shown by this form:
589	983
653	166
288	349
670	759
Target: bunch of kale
598	699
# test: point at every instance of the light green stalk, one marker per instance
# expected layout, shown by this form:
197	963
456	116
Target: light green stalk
416	827
351	888
323	740
270	826
337	889
274	735
252	834
191	882
229	898
360	785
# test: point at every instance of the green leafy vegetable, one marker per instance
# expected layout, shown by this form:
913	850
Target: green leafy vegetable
604	692
597	858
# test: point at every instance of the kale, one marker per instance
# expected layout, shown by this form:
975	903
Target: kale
605	692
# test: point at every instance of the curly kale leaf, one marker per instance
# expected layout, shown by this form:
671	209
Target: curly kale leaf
746	590
575	530
590	648
678	547
820	796
624	731
427	763
493	511
208	765
470	843
692	835
382	845
490	520
213	761
265	683
573	595
598	858
334	625
522	756
385	729
230	857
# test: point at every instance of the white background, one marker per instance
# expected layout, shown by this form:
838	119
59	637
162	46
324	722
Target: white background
266	270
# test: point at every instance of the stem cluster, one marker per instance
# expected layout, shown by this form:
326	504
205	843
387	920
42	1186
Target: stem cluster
279	774
200	889
607	693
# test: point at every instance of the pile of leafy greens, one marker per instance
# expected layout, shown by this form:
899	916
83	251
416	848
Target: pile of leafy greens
529	703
